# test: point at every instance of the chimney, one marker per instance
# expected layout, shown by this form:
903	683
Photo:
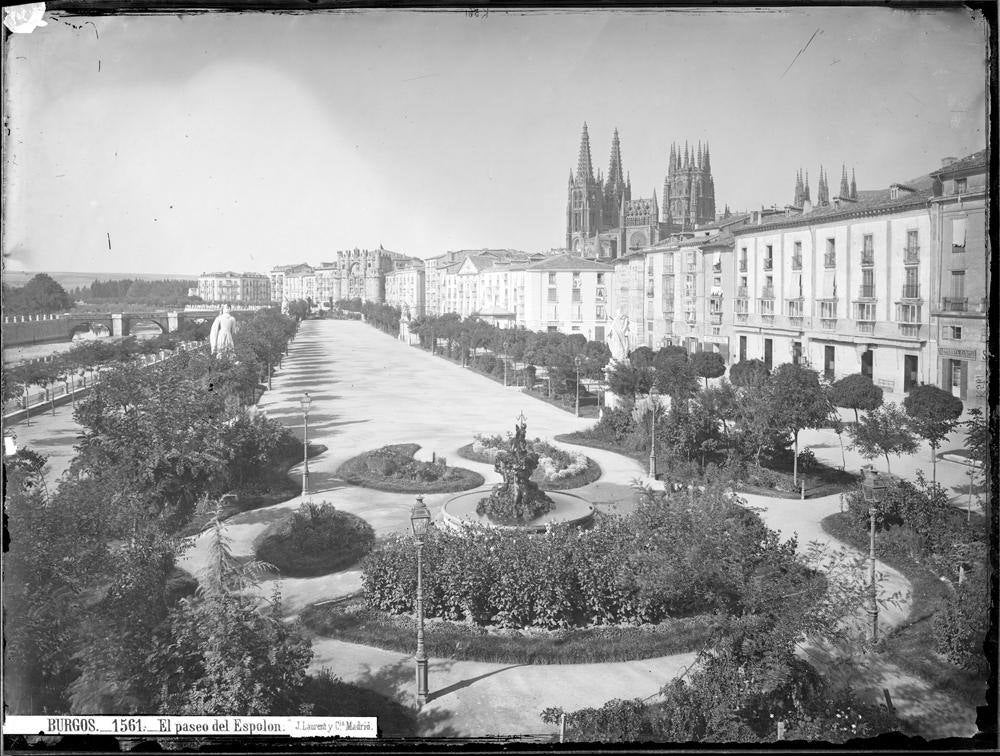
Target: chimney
945	162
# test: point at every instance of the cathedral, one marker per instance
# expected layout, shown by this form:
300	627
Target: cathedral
602	219
848	189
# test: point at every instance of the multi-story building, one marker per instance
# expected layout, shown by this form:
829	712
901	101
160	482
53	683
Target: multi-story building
352	274
234	288
843	286
441	287
959	277
277	276
570	294
405	286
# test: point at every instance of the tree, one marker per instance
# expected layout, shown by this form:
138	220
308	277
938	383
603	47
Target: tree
856	392
883	431
977	442
674	375
799	402
41	294
933	415
748	373
708	365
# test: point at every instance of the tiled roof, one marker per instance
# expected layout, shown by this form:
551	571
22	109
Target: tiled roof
569	262
869	202
975	160
722	222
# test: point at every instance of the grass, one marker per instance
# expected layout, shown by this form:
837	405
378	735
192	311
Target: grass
911	645
588	404
596	442
588	475
353	622
315	540
392	468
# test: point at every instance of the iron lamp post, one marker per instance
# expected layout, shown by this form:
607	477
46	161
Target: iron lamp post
305	402
576	362
653	402
420	518
873	486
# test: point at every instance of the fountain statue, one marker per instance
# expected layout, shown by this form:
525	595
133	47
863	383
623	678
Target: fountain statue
516	499
221	336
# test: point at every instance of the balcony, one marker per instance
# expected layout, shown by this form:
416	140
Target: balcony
911	255
796	262
743	266
865	326
601	293
768	263
767	318
715	318
767	292
692	267
867	259
866	292
830	260
741	291
741	317
799	321
955	304
911	291
828	324
910	330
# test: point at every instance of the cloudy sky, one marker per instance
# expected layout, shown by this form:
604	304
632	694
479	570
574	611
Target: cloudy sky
184	144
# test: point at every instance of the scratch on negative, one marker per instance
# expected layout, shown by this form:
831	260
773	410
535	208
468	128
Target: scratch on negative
109	239
799	53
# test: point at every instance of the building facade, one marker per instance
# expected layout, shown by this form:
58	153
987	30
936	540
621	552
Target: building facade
960	278
234	288
569	294
688	189
352	274
405	286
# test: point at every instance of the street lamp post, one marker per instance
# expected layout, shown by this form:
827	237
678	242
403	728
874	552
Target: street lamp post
653	401
305	402
873	488
576	362
420	518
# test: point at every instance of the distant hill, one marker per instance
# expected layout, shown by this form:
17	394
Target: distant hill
70	280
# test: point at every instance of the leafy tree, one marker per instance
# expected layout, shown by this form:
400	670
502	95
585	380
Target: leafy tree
856	392
933	415
748	373
977	442
627	380
708	365
884	431
799	402
674	375
42	294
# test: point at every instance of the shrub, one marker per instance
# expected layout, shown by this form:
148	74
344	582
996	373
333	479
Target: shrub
392	468
960	627
807	461
314	540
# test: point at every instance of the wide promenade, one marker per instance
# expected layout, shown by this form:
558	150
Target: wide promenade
368	389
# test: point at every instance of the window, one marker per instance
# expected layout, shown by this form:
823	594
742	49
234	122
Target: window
576	281
912	252
552	279
600	279
668	263
867	283
576	295
768	257
958	284
868	250
908	313
830	258
955	332
797	256
865	312
601	313
958	233
553	294
828	310
911	289
743	259
961	186
743	348
795	308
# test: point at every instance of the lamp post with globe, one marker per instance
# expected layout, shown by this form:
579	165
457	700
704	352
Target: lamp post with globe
420	518
873	487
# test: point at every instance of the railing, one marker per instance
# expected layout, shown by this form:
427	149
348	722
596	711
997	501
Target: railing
768	263
741	291
741	317
911	291
828	324
865	326
717	267
866	292
911	330
767	318
911	255
743	266
867	259
800	321
796	262
829	259
692	267
955	304
715	318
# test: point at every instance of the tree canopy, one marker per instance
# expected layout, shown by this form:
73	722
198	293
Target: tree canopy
856	392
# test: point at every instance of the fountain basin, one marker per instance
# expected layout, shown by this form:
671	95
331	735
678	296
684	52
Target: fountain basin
568	509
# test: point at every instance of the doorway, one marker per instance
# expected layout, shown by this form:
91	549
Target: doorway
768	353
909	372
867	361
828	362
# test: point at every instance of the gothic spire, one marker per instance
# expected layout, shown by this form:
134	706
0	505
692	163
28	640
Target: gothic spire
584	168
615	167
672	162
699	154
854	186
707	165
845	187
799	190
805	190
687	159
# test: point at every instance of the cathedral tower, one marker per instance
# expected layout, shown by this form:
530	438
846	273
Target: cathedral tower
586	198
688	189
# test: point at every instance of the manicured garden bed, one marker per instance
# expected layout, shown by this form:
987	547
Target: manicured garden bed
316	539
911	645
353	622
589	474
392	468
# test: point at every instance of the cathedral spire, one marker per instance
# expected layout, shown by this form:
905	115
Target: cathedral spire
615	167
845	187
805	189
799	189
672	162
687	158
584	167
854	186
707	165
699	154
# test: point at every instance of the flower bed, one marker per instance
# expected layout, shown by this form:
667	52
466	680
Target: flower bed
557	469
353	622
316	539
392	468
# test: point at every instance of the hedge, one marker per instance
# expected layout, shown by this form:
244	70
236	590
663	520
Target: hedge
316	539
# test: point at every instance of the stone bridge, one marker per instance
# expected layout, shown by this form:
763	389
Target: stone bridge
19	330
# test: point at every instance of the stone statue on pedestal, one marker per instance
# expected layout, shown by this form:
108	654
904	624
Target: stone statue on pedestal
620	337
220	338
516	498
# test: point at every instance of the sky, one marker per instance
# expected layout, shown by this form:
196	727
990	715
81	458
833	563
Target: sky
185	144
